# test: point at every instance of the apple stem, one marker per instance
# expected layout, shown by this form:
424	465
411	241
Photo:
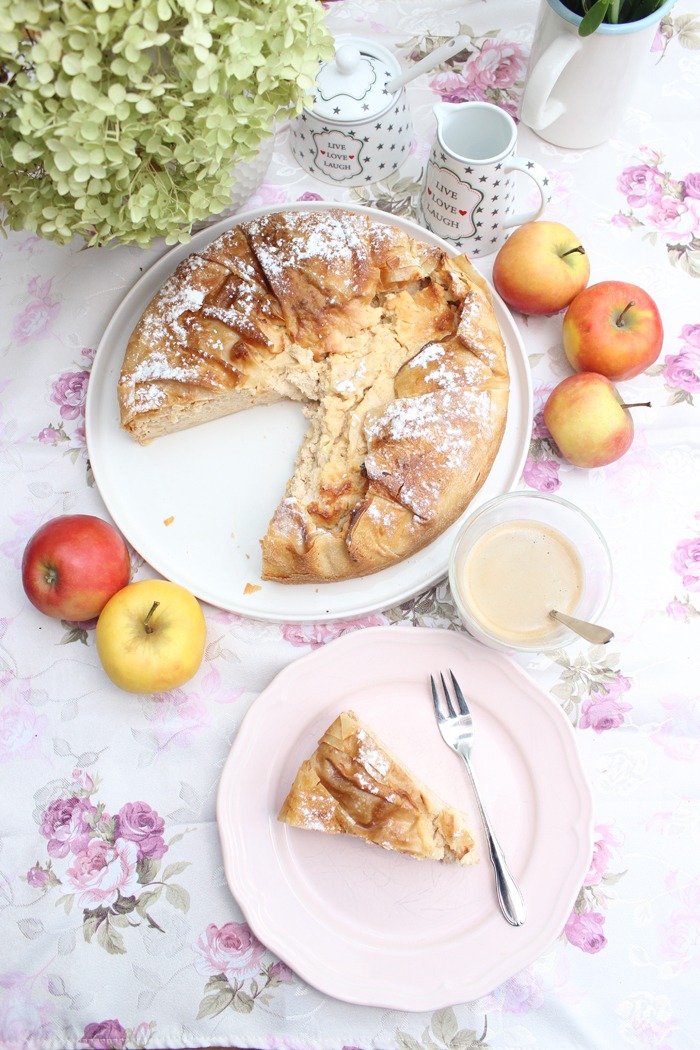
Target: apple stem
579	248
621	318
639	404
146	624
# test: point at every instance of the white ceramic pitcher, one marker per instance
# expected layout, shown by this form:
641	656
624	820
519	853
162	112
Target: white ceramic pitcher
578	88
468	196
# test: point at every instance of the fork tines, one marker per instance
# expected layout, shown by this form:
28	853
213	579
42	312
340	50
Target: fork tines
461	701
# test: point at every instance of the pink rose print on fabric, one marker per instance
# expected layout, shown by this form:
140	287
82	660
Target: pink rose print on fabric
175	719
522	993
604	710
679	733
21	726
112	1035
641	184
37	877
101	873
681	371
542	474
607	838
66	827
585	931
232	950
316	635
686	562
682	611
25	1010
136	822
663	204
591	689
648	1020
25	523
600	715
499	64
679	940
691	185
112	864
51	435
540	431
678	220
178	717
493	72
542	466
281	971
69	392
37	318
232	958
584	927
78	441
41	877
82	781
679	935
104	1035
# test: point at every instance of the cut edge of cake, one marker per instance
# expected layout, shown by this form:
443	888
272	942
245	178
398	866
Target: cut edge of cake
354	784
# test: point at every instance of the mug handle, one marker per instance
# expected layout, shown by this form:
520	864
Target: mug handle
537	109
539	176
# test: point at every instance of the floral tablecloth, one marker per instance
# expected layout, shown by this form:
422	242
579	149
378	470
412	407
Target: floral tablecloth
118	929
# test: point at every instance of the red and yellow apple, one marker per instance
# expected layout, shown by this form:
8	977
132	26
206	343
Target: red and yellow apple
150	636
72	566
588	421
612	328
541	268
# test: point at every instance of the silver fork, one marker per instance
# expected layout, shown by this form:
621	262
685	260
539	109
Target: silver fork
458	733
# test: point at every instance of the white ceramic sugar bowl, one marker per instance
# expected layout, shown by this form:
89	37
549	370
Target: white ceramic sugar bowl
359	130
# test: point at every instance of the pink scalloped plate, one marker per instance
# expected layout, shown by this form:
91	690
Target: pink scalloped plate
375	928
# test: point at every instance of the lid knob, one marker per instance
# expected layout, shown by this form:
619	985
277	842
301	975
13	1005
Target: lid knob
347	59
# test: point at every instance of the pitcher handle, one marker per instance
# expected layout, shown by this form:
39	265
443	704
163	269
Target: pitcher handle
539	176
537	109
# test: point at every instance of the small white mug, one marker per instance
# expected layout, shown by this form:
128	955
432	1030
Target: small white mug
468	195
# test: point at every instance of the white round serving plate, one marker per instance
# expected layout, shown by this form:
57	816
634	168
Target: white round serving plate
372	927
218	484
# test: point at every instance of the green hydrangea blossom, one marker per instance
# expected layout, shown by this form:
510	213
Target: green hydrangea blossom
122	119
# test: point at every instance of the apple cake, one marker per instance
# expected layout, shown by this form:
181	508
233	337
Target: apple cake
354	785
392	347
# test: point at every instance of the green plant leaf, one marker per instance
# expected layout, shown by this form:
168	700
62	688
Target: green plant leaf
594	17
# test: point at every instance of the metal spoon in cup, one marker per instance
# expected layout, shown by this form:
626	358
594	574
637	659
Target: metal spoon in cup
592	632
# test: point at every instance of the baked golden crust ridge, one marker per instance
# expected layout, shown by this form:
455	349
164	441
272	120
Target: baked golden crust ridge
354	785
392	348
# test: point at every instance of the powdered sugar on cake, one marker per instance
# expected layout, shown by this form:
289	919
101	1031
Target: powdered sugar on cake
392	348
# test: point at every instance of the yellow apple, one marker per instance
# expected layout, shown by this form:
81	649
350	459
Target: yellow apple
150	636
540	268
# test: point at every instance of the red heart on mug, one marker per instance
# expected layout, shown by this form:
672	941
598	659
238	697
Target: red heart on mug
462	212
323	152
430	193
352	156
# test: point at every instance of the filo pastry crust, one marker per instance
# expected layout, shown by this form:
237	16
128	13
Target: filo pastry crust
392	348
353	784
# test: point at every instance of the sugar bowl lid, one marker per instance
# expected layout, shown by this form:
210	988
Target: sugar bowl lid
352	86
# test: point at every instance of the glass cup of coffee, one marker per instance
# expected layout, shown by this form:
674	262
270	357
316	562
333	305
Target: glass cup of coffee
520	556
